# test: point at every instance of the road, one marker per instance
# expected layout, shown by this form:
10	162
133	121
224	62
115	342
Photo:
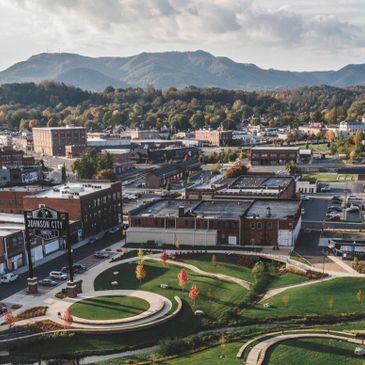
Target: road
42	271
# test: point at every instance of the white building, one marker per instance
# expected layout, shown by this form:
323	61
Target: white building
306	185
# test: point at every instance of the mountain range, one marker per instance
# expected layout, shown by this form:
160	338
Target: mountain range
166	69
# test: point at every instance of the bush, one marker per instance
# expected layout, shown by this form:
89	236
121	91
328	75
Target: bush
172	346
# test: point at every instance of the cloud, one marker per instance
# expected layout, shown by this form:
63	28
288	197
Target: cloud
104	27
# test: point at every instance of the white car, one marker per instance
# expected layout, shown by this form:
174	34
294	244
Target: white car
58	275
8	278
305	197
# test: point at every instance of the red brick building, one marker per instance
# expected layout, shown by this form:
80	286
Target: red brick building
12	255
245	222
11	157
97	205
273	155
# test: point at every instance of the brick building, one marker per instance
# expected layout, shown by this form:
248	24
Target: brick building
11	198
273	155
246	187
122	159
97	205
145	134
216	222
51	141
11	157
214	137
12	253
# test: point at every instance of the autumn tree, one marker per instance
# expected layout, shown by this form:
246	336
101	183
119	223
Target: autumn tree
140	272
356	263
210	293
106	174
9	318
163	257
359	296
285	300
214	260
194	293
67	318
183	278
330	303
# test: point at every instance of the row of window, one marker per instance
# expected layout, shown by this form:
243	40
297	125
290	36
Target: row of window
258	225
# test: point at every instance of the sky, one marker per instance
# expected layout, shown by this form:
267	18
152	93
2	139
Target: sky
282	34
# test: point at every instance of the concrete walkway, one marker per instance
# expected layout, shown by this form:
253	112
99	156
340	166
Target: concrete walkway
257	354
344	266
159	307
193	268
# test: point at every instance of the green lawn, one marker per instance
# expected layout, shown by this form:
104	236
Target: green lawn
211	356
313	351
109	307
224	265
331	177
286	279
313	299
225	294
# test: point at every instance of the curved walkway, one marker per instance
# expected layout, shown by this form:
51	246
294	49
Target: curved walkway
257	354
272	292
159	307
233	279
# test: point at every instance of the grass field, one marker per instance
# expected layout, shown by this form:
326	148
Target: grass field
109	307
331	176
224	265
313	351
286	279
224	294
314	300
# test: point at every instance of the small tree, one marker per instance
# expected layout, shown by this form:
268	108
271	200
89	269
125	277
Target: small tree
164	256
183	278
177	244
67	318
356	263
194	293
330	303
140	254
210	293
214	260
222	342
285	300
140	272
9	318
359	296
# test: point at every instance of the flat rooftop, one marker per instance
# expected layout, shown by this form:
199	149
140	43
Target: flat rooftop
29	188
260	182
164	208
60	128
280	209
222	209
262	148
73	189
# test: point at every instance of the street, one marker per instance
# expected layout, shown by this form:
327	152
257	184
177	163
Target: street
42	271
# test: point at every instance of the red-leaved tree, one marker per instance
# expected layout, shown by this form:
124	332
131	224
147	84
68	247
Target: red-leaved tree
183	278
164	256
194	293
67	318
9	318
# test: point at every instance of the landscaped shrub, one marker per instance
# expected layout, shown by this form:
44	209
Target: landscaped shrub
172	346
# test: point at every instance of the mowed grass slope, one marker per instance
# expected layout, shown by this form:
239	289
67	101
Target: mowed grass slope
313	351
315	300
225	295
109	307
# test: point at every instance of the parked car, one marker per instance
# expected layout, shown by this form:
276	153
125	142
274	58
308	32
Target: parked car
336	197
334	208
304	197
125	226
114	230
353	209
3	308
92	240
77	268
335	217
8	278
101	255
303	211
58	275
47	282
331	214
325	189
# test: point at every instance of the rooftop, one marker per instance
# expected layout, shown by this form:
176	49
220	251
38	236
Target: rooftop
262	148
60	128
222	208
261	182
28	188
279	209
164	208
74	190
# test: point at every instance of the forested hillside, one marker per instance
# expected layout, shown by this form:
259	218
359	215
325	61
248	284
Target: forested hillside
23	106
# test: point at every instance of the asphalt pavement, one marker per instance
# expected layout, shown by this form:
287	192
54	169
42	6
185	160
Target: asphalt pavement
43	270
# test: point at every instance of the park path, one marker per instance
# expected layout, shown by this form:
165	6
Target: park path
257	354
272	292
233	279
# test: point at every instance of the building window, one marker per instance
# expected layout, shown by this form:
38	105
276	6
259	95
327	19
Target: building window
259	225
269	225
252	225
